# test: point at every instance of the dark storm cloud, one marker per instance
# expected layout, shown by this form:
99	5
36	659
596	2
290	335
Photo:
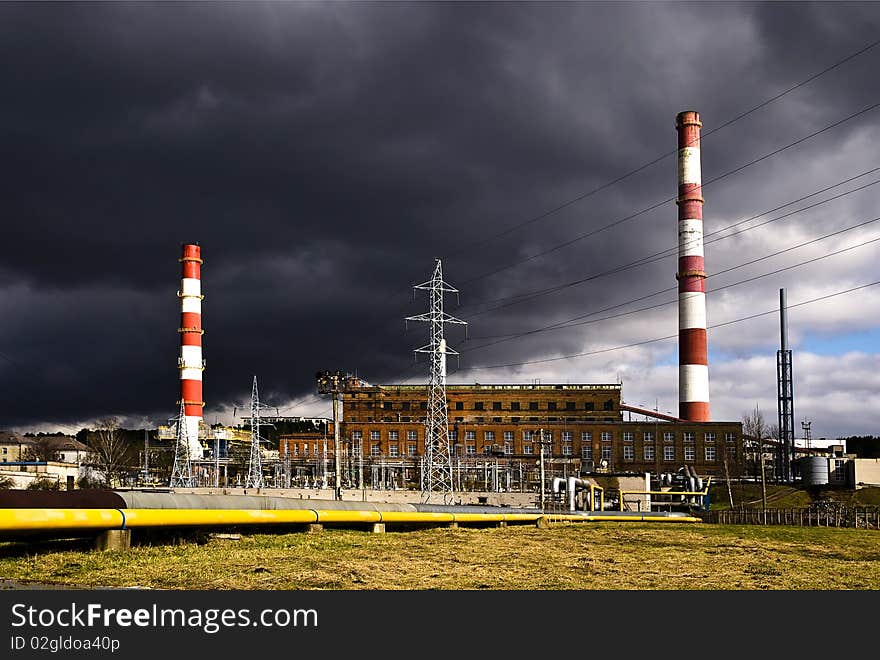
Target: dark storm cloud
323	154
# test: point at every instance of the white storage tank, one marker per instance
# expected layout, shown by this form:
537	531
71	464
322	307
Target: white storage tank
814	470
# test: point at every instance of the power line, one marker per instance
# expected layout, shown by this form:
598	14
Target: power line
670	199
657	256
668	337
662	157
562	325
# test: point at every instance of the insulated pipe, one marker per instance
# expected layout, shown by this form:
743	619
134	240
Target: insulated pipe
558	484
93	520
693	369
190	361
573	483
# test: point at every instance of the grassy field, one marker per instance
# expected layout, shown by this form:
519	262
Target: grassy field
784	497
581	556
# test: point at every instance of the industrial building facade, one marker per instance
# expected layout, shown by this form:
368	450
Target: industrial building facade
583	430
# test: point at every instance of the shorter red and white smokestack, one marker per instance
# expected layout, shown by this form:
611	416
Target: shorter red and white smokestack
693	359
190	361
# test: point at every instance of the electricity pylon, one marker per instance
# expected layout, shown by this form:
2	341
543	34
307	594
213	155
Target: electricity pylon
436	474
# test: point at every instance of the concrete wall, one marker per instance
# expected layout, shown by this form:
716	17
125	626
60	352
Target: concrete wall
865	472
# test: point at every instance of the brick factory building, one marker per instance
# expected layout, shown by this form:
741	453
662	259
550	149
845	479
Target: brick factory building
498	426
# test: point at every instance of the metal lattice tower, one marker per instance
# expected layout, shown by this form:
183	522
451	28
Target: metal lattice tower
785	407
436	474
255	462
181	473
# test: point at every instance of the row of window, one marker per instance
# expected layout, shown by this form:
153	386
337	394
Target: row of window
567	436
709	452
495	405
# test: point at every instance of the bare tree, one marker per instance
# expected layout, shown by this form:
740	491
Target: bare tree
108	450
754	426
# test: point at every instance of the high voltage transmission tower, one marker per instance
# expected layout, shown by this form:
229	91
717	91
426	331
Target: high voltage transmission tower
255	461
436	474
181	473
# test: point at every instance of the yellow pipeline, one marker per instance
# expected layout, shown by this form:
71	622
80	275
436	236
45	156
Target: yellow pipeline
23	520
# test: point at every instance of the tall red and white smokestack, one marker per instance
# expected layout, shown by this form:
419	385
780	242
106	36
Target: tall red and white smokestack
190	361
693	362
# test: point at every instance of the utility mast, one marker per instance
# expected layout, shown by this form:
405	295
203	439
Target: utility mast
255	462
436	474
181	473
785	406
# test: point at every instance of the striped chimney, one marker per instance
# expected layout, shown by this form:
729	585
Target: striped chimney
190	361
693	369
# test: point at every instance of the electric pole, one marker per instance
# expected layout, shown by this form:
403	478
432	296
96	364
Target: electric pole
255	462
437	464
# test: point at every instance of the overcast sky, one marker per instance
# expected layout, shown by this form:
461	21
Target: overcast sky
324	154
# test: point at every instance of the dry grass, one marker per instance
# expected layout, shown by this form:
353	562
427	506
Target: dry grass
584	556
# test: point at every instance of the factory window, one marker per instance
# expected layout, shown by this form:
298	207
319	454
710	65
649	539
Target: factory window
459	419
710	453
628	453
470	450
688	437
514	405
479	419
459	405
387	405
489	436
731	452
689	453
527	436
527	449
515	420
838	472
606	452
374	449
305	450
649	436
710	438
405	405
606	436
393	435
730	437
548	436
589	405
668	436
533	405
453	434
569	405
627	436
551	405
369	405
470	435
567	436
508	436
356	435
423	405
669	453
551	419
508	448
412	449
374	435
587	452
648	452
608	405
586	436
487	449
296	450
412	435
496	405
478	405
393	450
566	450
356	450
